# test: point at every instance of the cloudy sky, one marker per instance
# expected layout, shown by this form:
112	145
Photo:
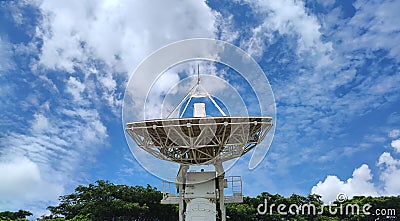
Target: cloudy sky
333	67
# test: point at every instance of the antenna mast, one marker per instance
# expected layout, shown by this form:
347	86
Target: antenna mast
198	74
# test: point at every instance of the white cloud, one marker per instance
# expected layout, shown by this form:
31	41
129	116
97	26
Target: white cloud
75	88
396	145
225	26
390	174
22	181
106	38
289	18
394	133
18	177
326	3
374	26
155	97
16	13
40	123
34	165
120	33
6	63
359	185
361	182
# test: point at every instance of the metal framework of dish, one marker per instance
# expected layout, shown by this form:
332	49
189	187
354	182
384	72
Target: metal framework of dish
196	141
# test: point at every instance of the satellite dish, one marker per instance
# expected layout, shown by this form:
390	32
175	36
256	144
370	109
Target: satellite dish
199	139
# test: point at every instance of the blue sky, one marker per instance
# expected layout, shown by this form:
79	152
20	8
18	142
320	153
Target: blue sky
333	67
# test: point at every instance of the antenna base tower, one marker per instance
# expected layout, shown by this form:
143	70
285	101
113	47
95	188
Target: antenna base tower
201	195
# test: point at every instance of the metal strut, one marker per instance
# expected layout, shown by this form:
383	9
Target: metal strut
193	92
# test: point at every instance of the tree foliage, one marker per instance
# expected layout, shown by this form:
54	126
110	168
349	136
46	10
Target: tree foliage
107	201
298	207
20	215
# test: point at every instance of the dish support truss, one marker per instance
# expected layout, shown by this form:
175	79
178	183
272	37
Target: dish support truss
199	141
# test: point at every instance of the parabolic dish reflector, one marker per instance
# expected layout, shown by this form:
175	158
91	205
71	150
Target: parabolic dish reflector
198	141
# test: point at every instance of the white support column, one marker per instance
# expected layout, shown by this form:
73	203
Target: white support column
181	205
221	186
222	197
181	180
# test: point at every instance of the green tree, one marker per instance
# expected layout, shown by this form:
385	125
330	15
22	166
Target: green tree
20	215
106	201
243	211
